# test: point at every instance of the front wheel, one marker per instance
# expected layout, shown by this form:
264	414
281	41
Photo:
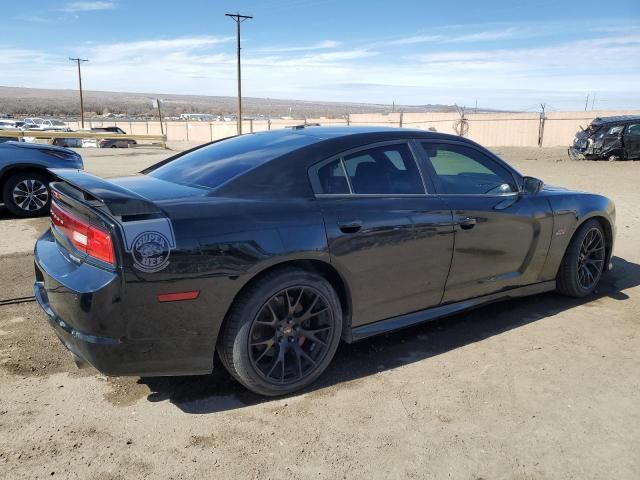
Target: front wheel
282	332
583	262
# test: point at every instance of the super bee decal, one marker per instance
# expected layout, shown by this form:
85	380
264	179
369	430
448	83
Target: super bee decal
150	243
150	252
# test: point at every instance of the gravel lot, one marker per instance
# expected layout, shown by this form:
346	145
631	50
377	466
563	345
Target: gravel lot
536	388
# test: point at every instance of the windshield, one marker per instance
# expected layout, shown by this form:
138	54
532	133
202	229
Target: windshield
57	123
218	163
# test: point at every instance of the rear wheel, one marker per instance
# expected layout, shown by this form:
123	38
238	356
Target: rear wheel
26	194
583	262
282	332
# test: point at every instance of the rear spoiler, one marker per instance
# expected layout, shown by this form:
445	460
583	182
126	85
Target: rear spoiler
86	187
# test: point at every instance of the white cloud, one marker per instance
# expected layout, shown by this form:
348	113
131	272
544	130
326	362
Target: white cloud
150	49
416	39
503	77
453	36
486	36
326	44
75	7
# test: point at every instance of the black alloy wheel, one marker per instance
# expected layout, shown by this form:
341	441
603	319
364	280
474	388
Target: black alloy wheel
290	335
591	259
282	331
584	261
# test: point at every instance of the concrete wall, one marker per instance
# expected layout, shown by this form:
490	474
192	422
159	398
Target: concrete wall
489	129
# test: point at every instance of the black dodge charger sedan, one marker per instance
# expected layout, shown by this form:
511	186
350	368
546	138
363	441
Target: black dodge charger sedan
267	249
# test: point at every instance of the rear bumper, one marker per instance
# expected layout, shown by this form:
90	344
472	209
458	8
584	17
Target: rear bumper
84	304
101	352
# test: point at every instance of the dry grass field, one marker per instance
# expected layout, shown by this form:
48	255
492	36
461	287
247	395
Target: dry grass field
544	387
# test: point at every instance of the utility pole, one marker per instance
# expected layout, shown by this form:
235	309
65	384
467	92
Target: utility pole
239	19
543	106
156	103
586	103
593	101
79	60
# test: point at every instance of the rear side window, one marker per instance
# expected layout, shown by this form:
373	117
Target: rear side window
215	164
333	180
389	169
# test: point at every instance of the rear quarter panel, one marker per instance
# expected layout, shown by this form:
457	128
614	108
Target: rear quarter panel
221	244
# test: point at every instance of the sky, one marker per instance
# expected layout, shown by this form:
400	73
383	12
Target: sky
501	54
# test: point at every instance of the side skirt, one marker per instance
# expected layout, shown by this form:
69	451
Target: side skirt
410	319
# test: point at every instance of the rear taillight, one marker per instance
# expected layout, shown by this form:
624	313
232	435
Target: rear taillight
87	238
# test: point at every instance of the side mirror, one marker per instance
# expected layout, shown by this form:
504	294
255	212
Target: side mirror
532	185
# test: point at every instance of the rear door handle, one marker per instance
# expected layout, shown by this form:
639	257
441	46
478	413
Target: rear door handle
350	227
467	223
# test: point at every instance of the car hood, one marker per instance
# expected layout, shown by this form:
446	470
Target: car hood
36	146
554	188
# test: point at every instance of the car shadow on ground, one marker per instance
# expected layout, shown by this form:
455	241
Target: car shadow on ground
219	392
5	214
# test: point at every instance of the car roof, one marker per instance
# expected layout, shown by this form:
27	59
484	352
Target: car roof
357	134
326	132
615	119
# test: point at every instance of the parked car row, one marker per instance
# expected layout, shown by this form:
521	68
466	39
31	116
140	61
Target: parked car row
39	124
102	143
34	123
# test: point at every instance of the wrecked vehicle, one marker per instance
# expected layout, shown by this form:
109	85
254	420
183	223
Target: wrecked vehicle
608	138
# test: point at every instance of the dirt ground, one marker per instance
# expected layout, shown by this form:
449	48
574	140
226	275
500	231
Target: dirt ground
539	388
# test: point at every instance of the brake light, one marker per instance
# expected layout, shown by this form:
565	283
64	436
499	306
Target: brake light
87	238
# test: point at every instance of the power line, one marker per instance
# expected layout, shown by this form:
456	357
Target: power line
78	61
239	19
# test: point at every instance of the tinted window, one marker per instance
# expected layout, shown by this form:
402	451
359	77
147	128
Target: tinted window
464	170
389	169
213	165
615	130
332	178
634	130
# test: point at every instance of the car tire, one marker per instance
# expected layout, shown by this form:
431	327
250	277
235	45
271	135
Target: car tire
282	332
584	261
23	194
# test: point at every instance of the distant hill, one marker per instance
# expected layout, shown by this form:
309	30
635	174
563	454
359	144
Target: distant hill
64	103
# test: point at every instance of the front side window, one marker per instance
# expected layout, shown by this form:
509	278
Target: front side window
615	130
466	171
384	170
634	130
